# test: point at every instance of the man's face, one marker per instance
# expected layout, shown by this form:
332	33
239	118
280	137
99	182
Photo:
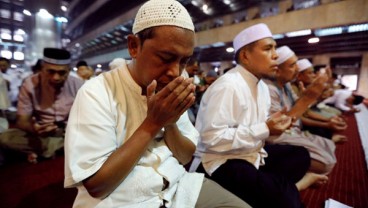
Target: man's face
162	57
288	70
84	72
55	74
4	66
261	58
192	69
307	76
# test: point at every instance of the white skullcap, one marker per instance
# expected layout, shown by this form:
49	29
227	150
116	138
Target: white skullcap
162	12
303	64
250	35
284	54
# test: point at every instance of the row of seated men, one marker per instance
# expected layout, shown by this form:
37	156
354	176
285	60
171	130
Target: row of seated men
128	134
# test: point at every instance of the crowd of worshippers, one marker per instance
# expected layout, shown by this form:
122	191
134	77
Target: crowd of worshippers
263	131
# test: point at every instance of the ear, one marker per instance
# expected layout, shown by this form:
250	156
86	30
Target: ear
243	56
133	45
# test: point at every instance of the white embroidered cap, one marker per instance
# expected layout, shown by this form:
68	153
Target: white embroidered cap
303	64
250	35
284	53
162	12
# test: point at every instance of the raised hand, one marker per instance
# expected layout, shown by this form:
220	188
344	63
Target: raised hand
279	122
166	106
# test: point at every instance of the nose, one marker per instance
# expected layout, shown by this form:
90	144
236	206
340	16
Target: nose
56	77
274	54
173	70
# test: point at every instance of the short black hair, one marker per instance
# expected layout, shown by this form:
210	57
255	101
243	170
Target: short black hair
357	99
146	34
249	47
5	59
82	63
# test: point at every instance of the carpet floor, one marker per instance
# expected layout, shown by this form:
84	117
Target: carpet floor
41	185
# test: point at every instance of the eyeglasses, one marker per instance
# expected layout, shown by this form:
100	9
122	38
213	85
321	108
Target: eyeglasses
59	72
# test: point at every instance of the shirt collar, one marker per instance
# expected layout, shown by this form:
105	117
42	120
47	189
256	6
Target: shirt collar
247	76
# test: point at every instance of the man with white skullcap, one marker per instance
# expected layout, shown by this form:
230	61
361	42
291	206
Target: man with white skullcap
320	149
320	119
43	108
129	135
233	124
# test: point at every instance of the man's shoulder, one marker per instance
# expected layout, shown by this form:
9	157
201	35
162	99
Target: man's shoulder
74	81
31	80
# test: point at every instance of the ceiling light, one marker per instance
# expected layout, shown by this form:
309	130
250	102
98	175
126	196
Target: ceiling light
26	12
218	44
299	33
20	32
45	14
328	31
6	54
358	28
5	36
64	8
61	19
195	3
99	65
278	36
18	38
313	40
230	49
227	2
18	55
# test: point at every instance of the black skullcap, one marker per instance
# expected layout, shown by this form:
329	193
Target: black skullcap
56	56
82	63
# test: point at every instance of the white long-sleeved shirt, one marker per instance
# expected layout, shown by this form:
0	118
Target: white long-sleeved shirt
339	99
107	111
231	122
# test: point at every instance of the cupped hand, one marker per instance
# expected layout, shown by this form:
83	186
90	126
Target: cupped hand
44	128
166	106
279	122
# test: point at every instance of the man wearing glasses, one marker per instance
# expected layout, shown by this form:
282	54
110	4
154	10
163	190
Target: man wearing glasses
43	108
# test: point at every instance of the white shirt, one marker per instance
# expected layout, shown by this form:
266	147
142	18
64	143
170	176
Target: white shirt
339	99
4	97
14	83
231	122
106	112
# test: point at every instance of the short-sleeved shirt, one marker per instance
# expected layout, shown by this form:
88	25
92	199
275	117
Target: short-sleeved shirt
39	99
107	111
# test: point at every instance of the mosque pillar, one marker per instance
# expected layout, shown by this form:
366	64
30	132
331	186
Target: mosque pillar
363	76
42	29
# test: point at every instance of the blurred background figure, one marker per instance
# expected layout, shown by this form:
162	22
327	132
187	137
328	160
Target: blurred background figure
10	75
115	63
84	71
37	67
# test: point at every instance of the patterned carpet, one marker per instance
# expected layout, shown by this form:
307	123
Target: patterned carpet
348	182
41	185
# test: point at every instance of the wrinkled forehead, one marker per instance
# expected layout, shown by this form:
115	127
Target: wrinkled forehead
46	66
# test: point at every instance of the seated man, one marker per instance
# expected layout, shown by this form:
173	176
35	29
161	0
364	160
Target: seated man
44	103
233	124
323	121
129	135
320	149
